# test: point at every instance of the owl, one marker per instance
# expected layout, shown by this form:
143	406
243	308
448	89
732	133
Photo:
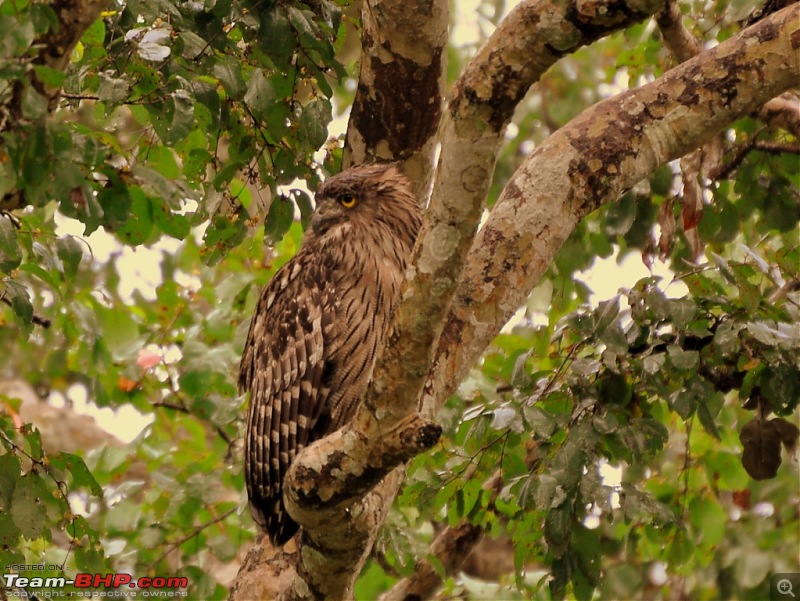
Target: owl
318	326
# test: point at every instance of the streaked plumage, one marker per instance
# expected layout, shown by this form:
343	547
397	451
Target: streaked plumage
318	325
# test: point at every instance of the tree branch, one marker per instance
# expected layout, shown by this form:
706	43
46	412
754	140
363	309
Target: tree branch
451	547
784	112
403	65
527	43
678	40
592	160
55	47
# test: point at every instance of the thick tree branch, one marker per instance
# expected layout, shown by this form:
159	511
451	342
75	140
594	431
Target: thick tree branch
592	160
679	40
333	472
783	111
527	43
398	103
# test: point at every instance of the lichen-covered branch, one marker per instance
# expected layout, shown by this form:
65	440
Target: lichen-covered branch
398	103
783	111
526	43
592	160
679	40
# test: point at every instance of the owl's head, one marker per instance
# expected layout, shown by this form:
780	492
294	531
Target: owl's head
364	197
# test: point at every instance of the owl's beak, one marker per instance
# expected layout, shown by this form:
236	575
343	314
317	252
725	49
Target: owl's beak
322	217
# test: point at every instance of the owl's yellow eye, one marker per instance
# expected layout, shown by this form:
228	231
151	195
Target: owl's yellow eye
348	201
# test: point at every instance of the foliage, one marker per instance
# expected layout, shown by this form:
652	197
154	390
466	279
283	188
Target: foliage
641	440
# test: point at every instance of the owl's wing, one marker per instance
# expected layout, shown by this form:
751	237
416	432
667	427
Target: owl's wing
283	366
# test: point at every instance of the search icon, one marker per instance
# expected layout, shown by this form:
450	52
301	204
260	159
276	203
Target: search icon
784	587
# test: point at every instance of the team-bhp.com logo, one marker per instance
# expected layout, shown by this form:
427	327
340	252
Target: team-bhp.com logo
157	586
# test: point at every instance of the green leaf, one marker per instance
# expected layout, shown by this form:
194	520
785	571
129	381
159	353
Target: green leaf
644	437
279	218
27	506
182	121
95	35
558	529
276	37
34	439
540	422
70	251
115	203
10	251
707	419
780	384
139	224
170	223
709	521
606	313
303	202
621	215
20	301
229	73
120	332
80	473
314	121
260	96
621	581
49	76
223	234
113	90
19	36
10	473
683	360
34	104
587	547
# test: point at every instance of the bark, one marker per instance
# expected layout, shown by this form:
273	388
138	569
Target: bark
783	112
403	65
590	161
527	43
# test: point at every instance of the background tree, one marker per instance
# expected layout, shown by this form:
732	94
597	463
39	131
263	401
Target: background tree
629	446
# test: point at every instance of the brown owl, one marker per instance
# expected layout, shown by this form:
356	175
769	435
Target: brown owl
318	326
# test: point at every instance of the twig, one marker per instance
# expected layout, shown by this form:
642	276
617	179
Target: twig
36	319
450	548
174	545
723	171
184	409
